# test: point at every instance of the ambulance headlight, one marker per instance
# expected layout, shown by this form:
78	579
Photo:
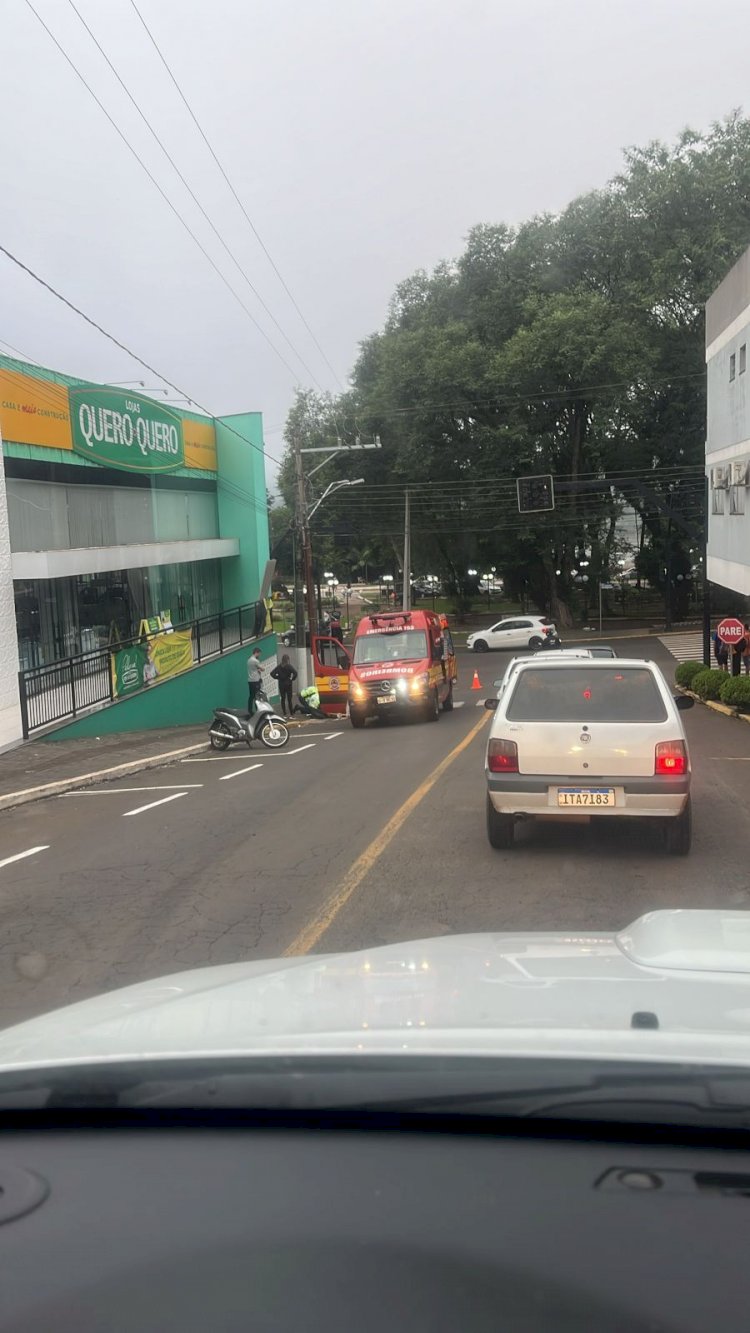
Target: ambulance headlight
420	682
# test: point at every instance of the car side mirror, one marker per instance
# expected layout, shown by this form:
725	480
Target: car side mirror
491	704
683	701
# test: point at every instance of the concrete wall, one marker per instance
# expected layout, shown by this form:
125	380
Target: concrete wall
10	706
188	698
242	504
728	402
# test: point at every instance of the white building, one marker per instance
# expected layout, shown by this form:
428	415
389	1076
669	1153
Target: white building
728	432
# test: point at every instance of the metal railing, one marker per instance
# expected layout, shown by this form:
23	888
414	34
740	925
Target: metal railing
65	688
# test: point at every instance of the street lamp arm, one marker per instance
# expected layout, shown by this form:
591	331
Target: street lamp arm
333	486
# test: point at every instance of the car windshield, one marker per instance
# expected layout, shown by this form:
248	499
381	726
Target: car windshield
575	694
407	645
387	288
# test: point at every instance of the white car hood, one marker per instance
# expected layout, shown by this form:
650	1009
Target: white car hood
576	994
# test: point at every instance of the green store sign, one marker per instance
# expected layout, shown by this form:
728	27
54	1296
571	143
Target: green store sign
125	430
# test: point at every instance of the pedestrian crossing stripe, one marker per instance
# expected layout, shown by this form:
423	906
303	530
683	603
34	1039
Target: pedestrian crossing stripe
685	647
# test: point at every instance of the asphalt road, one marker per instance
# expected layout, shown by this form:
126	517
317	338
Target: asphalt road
345	839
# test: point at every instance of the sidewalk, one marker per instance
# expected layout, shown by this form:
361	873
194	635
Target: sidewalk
28	769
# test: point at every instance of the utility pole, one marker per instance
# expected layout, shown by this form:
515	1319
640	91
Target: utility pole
299	564
305	575
406	596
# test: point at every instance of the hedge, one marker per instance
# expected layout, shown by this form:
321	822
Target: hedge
735	691
686	673
708	682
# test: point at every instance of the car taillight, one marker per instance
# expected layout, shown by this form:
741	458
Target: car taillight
502	757
670	757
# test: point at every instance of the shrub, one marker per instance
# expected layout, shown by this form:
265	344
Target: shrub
686	673
735	691
708	682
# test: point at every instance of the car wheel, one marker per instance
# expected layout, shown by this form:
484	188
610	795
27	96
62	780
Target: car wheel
679	832
479	646
357	719
536	642
500	828
433	707
448	700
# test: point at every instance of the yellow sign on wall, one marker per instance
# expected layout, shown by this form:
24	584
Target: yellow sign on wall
37	411
34	411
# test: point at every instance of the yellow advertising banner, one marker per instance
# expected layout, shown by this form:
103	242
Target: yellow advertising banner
37	411
200	444
167	655
34	411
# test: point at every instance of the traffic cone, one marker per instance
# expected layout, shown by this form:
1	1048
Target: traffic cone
476	683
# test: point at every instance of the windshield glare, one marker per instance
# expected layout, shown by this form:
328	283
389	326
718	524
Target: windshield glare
409	645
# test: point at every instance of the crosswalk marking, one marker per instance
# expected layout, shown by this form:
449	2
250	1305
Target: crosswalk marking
686	646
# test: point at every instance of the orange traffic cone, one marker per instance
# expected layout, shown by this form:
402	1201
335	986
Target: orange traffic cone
476	683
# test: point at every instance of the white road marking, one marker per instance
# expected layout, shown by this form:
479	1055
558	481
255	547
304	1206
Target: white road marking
459	703
21	856
216	759
152	804
299	749
238	773
333	735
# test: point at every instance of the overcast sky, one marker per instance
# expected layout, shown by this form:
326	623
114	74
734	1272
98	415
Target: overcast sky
364	140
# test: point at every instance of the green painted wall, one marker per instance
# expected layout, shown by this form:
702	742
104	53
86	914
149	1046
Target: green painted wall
242	504
189	698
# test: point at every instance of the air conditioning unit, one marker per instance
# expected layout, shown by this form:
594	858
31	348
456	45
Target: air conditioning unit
740	473
720	478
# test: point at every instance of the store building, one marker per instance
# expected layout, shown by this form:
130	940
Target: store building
728	429
115	507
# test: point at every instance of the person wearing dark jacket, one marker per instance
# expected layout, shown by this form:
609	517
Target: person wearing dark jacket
285	673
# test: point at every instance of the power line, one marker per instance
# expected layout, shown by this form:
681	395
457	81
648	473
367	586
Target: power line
164	196
191	192
245	214
124	348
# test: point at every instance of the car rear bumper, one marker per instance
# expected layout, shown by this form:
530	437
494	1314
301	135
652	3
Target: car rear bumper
645	797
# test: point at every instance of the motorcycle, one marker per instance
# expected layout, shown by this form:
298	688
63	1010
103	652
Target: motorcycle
233	724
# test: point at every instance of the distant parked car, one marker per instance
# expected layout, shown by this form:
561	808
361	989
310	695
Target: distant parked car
515	632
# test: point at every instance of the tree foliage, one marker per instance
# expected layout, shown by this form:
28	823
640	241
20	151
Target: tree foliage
570	344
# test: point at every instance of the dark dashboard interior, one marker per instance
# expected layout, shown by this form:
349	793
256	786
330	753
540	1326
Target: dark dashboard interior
223	1225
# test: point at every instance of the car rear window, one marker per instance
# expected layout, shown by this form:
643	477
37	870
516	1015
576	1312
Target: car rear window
583	694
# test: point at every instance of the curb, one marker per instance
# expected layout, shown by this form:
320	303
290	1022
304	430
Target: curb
13	798
715	705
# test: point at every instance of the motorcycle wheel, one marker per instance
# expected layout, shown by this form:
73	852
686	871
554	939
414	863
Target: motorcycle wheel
220	742
274	734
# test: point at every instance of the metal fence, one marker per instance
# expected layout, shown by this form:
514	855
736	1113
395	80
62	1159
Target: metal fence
68	687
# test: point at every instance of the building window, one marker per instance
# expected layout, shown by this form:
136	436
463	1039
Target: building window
743	358
736	499
717	502
732	366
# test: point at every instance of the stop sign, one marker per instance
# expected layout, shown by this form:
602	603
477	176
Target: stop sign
730	630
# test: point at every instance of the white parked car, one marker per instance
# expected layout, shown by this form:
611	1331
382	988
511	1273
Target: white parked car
601	737
515	632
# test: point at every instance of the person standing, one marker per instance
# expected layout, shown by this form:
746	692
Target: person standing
254	679
746	651
721	651
335	630
285	673
738	653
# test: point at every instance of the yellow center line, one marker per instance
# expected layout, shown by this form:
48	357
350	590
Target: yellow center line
311	933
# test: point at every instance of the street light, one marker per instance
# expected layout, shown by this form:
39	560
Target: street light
329	490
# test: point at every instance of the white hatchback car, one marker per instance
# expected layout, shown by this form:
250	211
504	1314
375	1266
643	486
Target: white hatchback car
514	632
601	737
